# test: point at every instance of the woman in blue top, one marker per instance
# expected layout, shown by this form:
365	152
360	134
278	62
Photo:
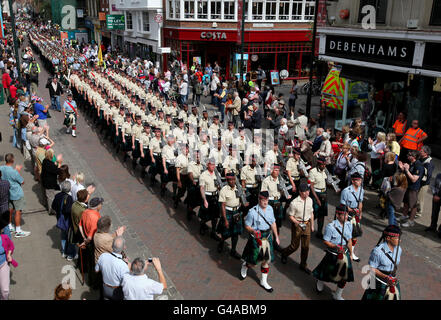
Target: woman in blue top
383	261
336	266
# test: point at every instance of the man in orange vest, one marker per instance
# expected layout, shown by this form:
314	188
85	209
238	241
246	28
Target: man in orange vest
412	140
400	126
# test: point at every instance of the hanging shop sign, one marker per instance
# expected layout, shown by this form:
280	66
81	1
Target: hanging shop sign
254	57
386	51
275	77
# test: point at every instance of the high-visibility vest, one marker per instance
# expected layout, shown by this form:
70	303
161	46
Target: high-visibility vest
399	127
411	137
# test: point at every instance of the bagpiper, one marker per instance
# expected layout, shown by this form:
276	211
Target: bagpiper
70	115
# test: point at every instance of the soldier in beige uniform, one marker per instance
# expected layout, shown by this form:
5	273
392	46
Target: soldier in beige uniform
255	148
209	210
169	154
301	215
228	135
218	155
181	166
179	132
213	130
152	119
118	121
271	184
155	146
204	122
317	178
144	142
193	119
194	198
292	169
230	224
248	176
137	130
270	158
231	164
183	114
126	135
204	146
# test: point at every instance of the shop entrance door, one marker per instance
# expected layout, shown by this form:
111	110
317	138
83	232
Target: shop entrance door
221	54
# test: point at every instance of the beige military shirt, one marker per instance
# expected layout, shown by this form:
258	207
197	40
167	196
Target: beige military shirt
155	145
270	157
168	152
227	136
151	119
217	155
137	130
126	128
119	120
183	115
193	120
228	195
213	131
195	169
249	175
206	180
270	184
182	163
205	149
318	178
144	140
180	135
293	167
297	207
230	164
203	124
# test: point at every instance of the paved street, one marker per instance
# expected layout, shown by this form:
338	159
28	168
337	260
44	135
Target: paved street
194	268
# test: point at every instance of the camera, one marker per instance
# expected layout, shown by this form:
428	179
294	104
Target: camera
302	226
150	260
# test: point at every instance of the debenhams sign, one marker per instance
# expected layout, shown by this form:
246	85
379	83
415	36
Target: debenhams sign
372	50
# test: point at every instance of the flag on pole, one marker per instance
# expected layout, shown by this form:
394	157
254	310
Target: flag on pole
100	56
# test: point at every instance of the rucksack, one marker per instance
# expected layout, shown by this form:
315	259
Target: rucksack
426	164
367	173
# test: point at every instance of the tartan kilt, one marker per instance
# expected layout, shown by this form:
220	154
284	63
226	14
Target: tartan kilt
194	197
234	228
328	268
136	152
127	146
251	251
171	176
144	162
320	211
277	208
210	213
380	291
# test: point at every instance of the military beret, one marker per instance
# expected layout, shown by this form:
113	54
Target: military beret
264	194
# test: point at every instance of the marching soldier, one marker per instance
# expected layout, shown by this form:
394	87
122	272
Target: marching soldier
217	154
270	158
179	132
204	122
317	179
183	114
204	145
70	114
259	222
292	169
209	210
228	135
301	214
193	119
151	118
230	224
231	163
155	146
336	266
255	148
213	130
144	142
118	121
137	130
181	166
384	259
194	198
249	178
169	154
126	135
352	197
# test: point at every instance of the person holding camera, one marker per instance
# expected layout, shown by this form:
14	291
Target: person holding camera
137	286
301	214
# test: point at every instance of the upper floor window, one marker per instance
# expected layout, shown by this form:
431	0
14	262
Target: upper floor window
271	10
202	9
257	10
145	21
435	18
189	9
284	9
229	10
215	11
309	10
129	21
170	9
380	7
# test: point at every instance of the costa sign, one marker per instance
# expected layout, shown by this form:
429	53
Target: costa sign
213	35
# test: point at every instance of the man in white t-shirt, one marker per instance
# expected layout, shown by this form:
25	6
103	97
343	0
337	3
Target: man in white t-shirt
137	286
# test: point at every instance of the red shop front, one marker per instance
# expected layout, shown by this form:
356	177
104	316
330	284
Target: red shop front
273	50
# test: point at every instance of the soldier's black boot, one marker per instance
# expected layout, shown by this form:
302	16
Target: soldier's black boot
134	164
220	246
189	214
125	156
163	189
143	173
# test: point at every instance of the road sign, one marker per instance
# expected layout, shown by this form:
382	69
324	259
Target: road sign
158	18
165	50
115	22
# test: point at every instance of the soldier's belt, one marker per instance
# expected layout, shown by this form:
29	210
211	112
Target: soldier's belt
170	162
196	180
274	198
127	135
232	208
137	139
157	154
208	193
296	178
252	186
319	190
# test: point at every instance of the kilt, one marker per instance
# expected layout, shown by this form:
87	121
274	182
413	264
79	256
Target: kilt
380	291
136	152
320	211
328	268
210	213
234	227
277	208
127	146
251	251
70	119
144	162
357	232
171	176
194	198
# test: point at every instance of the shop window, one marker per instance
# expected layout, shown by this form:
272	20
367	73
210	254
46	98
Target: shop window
380	6
297	10
129	21
294	67
257	10
189	9
435	19
229	10
202	9
215	10
145	21
309	10
271	10
284	10
170	9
